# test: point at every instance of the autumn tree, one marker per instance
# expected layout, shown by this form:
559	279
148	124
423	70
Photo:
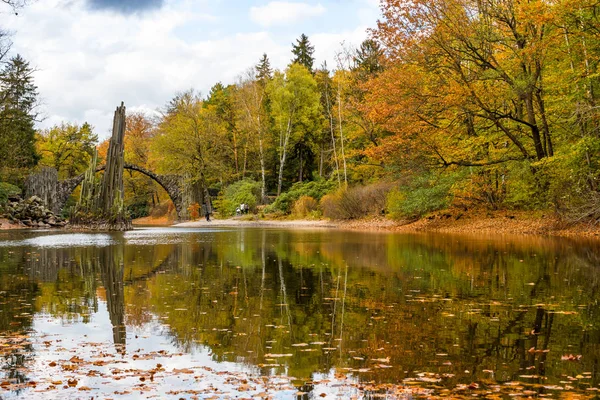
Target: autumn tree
67	148
191	140
295	110
360	132
252	116
327	138
221	101
141	191
487	61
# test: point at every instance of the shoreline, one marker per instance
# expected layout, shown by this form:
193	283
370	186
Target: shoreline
234	222
500	222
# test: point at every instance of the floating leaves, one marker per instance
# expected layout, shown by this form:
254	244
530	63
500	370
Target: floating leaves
571	357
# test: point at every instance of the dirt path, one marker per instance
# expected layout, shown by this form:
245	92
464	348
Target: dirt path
495	223
270	223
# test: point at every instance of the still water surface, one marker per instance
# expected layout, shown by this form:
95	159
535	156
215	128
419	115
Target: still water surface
179	313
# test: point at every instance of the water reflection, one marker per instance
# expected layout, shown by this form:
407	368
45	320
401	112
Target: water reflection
112	273
434	310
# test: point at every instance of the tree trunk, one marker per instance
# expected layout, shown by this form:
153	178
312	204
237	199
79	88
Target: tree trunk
321	161
332	130
280	178
535	130
284	145
263	188
111	191
342	136
245	161
548	147
301	162
235	153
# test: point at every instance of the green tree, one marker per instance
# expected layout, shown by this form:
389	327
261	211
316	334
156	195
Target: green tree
191	141
368	58
303	52
221	100
253	119
264	73
18	101
67	147
327	137
295	110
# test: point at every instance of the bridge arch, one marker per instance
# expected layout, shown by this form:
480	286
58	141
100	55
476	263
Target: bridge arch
170	183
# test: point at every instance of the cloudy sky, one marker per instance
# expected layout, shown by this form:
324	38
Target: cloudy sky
92	54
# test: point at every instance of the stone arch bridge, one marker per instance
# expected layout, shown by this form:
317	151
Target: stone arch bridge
55	193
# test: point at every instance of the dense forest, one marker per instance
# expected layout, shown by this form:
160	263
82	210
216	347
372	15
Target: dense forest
487	104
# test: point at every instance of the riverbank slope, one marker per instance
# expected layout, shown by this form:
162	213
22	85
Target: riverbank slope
500	222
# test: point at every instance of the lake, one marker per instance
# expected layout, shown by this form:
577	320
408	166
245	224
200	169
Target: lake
276	313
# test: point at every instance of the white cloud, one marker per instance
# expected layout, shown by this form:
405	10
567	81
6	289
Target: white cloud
328	45
88	62
284	12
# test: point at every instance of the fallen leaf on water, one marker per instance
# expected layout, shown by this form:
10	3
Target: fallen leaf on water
182	371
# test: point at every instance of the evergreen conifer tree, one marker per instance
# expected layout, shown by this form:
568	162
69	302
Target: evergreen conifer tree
303	52
367	58
18	101
263	70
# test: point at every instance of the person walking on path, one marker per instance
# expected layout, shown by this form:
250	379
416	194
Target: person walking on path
206	209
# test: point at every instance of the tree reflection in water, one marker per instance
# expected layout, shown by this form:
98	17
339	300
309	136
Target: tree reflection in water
111	271
434	309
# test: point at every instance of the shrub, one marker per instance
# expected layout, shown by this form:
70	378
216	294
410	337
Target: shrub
329	206
315	189
304	206
194	211
523	188
245	191
356	202
7	190
138	209
394	201
572	182
422	196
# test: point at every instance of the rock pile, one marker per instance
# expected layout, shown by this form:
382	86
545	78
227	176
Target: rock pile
32	212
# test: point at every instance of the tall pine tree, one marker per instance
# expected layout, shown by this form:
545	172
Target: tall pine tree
263	70
367	58
18	101
303	52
